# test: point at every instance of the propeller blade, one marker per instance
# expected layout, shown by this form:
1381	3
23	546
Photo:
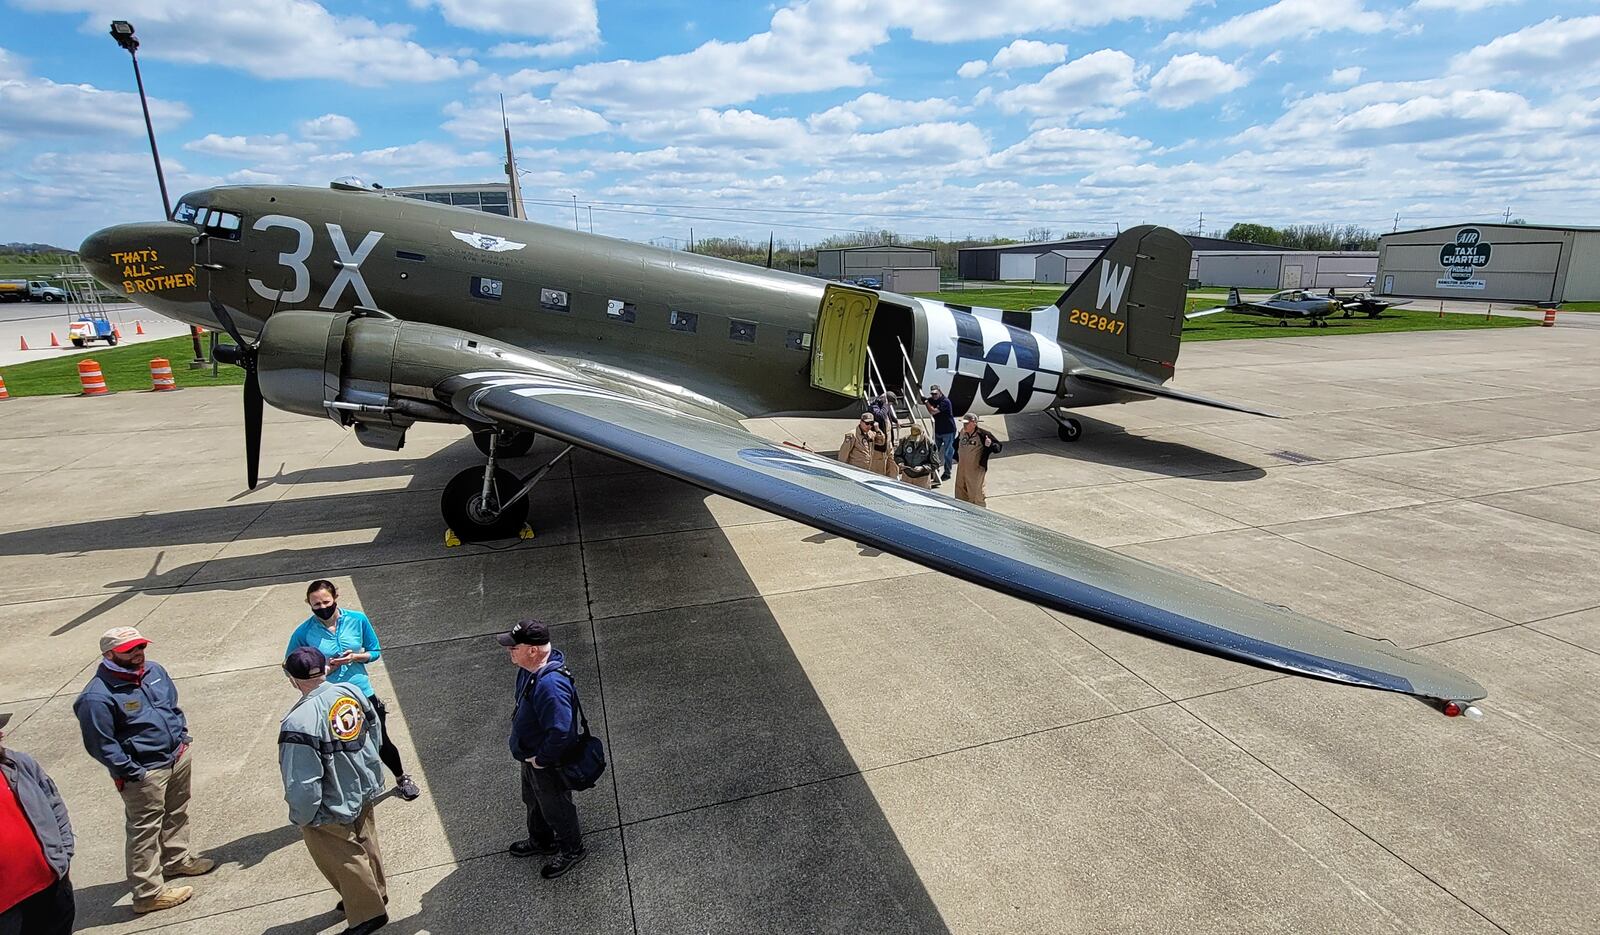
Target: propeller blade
769	251
1207	311
221	311
252	424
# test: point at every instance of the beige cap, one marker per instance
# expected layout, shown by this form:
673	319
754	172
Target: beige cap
120	640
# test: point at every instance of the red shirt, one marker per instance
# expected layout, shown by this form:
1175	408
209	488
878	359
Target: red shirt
23	871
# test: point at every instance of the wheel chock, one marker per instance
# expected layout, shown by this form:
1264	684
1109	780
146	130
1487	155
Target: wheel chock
450	538
526	532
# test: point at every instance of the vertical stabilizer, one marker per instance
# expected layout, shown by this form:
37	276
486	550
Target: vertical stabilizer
1127	306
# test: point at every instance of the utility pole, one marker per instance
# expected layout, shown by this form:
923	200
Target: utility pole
122	32
1508	214
1396	222
591	217
575	211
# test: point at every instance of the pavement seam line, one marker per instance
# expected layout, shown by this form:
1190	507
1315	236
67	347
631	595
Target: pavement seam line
1331	811
600	686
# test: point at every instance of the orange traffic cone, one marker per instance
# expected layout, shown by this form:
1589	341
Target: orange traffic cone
3	393
116	331
24	341
53	341
138	327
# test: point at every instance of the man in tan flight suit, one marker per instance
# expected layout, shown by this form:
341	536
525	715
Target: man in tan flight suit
860	444
974	445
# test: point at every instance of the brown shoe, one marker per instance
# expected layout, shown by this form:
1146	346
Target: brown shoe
166	899
193	867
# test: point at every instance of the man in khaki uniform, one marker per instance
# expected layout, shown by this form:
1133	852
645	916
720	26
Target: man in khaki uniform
332	772
860	444
131	723
974	445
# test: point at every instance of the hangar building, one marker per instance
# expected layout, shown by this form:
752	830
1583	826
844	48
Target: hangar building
489	197
1019	261
901	269
1255	266
1506	262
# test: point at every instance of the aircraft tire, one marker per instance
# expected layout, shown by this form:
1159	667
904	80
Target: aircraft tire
1069	430
464	511
513	444
1283	323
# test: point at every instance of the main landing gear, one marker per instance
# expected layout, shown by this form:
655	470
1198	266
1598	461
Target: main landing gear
1068	429
491	502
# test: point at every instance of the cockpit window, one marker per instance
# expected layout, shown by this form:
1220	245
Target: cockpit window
185	213
223	224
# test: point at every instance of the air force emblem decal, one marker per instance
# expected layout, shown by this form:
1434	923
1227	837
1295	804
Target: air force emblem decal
487	242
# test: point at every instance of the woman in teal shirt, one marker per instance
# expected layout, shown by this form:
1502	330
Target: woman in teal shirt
349	642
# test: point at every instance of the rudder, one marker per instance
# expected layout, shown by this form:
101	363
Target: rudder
1128	304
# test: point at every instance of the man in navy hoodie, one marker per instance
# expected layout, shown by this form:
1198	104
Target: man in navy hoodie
131	723
542	733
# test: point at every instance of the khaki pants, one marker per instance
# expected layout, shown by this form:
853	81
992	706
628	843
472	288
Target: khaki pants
348	857
157	812
925	481
969	484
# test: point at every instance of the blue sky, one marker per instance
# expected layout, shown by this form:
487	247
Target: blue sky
923	116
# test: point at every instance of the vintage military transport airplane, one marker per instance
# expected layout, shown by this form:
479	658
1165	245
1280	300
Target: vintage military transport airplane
378	311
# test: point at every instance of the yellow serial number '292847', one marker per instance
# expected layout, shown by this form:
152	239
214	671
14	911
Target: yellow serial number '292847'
1096	322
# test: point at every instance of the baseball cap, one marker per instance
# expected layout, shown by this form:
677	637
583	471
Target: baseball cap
5	718
307	662
525	633
969	417
121	639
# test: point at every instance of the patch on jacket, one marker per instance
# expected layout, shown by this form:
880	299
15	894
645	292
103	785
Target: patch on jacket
345	719
131	705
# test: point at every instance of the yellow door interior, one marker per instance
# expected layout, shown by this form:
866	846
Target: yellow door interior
839	348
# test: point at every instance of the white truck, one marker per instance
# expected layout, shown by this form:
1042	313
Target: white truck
30	290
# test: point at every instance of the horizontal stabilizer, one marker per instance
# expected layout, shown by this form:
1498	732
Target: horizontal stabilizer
1136	385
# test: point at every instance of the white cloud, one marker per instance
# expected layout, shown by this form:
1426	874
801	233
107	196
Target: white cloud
557	19
1068	150
557	49
1557	51
274	149
534	118
1284	20
39	107
1026	53
329	127
963	20
706	127
973	68
1460	6
1096	85
1187	80
272	39
873	109
1346	76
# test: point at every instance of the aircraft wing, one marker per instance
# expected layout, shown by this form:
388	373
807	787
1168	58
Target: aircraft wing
641	424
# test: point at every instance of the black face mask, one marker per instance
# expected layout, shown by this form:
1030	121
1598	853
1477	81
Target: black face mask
326	613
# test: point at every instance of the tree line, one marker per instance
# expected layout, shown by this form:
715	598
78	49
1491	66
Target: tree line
1306	236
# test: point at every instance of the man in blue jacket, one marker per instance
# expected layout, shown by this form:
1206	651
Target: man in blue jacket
944	428
542	733
35	849
131	723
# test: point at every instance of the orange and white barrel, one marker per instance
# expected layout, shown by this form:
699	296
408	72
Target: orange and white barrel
94	382
3	392
161	375
1549	318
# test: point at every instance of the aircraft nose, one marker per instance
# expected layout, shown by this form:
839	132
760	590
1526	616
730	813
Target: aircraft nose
148	258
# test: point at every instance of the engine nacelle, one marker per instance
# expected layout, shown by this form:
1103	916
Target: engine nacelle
372	372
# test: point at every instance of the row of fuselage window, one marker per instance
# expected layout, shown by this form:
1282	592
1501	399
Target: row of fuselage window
744	332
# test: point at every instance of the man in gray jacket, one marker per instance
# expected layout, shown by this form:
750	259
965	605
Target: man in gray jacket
35	849
328	753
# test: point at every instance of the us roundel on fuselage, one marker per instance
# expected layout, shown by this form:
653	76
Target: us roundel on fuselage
992	366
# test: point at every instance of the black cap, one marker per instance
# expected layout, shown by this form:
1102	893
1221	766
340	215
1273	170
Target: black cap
5	718
525	633
307	662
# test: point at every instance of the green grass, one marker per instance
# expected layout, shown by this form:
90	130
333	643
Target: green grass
1224	325
126	367
1566	307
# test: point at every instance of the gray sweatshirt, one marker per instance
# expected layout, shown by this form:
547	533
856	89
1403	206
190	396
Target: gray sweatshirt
41	803
328	753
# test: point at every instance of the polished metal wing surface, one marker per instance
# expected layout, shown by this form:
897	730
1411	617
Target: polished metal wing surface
638	420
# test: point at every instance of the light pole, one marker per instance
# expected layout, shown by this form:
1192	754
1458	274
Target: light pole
122	32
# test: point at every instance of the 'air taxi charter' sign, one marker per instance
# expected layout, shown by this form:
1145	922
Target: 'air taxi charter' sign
1463	259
